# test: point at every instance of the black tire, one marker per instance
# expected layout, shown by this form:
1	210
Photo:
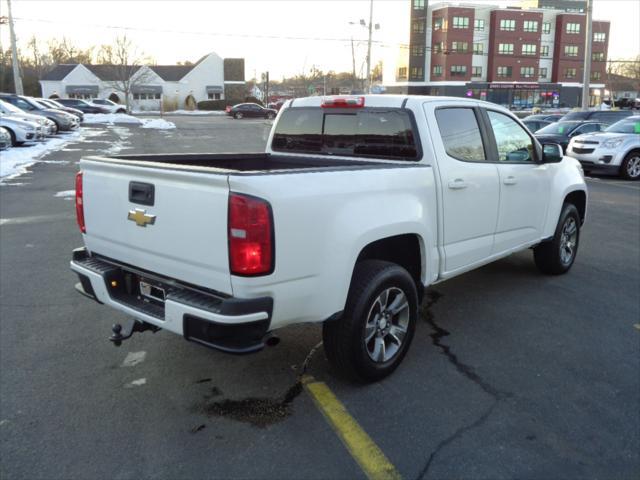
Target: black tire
271	116
57	125
629	169
344	339
121	111
552	257
13	137
237	115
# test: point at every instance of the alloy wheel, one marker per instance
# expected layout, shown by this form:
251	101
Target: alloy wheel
387	325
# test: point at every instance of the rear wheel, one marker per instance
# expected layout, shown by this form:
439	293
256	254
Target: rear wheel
557	255
271	116
630	168
237	115
375	331
13	137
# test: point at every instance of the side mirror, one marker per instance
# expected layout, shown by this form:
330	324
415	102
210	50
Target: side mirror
551	153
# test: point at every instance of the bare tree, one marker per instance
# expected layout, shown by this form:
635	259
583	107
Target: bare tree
126	67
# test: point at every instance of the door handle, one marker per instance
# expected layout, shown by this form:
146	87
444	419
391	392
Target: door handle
457	184
510	180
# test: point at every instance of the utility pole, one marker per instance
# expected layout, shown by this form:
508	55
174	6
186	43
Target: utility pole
369	47
266	90
586	76
17	80
353	61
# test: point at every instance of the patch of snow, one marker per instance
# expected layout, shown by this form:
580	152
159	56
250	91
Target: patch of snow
16	160
66	193
134	358
110	118
159	123
136	383
181	112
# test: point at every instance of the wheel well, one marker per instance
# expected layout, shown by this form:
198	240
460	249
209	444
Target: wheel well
403	250
579	199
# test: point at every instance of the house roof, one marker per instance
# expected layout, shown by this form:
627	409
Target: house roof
59	72
171	73
109	72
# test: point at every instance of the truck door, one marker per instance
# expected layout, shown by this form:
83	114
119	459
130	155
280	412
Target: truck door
470	187
524	183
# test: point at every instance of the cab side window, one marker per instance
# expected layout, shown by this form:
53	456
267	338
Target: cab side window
461	134
513	142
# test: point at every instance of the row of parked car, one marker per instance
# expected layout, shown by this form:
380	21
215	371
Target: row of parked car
25	120
605	141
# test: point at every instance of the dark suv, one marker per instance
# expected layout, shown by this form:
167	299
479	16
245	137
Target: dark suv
82	105
604	116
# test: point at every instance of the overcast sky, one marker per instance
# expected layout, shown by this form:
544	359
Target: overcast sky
284	37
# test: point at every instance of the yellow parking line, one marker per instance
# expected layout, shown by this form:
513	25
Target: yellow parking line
373	462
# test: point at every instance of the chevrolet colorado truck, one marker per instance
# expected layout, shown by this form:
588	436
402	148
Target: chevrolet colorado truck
356	206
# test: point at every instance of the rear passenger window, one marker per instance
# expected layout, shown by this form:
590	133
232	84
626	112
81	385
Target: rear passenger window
460	133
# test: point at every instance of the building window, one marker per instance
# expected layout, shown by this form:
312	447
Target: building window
459	47
478	49
546	27
213	96
597	57
571	50
437	70
508	25
573	28
476	71
460	22
599	37
402	73
437	24
478	25
596	75
437	47
458	70
543	72
417	26
529	49
531	26
505	48
417	50
504	72
416	73
544	50
570	73
527	72
418	4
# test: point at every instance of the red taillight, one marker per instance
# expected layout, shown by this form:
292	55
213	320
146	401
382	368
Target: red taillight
342	102
251	249
79	203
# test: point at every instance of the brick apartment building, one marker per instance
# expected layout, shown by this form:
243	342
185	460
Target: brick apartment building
519	57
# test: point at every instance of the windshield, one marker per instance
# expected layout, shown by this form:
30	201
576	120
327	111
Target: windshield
7	107
57	104
628	125
559	128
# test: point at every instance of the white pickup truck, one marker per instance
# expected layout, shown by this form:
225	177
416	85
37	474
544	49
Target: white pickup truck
356	206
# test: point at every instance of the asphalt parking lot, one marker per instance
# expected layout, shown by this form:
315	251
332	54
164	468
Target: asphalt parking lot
511	374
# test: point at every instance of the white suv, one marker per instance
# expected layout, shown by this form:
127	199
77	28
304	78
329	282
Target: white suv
112	106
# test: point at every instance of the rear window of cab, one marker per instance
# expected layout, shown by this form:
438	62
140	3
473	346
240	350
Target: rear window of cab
368	132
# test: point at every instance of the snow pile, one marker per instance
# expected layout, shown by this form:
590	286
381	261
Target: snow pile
14	162
66	193
181	112
159	123
110	118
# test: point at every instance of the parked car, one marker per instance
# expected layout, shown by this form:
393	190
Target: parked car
251	110
615	150
113	107
21	131
62	120
48	103
356	206
605	116
550	117
13	111
562	131
535	125
82	105
5	138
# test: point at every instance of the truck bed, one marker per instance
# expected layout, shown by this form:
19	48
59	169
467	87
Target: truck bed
243	163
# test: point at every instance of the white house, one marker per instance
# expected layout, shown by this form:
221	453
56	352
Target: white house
179	86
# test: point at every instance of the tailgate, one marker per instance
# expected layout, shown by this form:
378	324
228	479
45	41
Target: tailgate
187	240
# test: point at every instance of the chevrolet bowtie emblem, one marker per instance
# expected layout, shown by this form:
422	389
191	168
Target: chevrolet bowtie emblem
141	218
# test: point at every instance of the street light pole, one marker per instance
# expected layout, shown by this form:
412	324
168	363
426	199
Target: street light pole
586	76
369	47
17	80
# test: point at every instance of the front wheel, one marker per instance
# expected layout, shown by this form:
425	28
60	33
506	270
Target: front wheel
630	168
375	331
557	255
271	116
237	115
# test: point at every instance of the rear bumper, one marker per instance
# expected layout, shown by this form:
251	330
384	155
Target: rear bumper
225	323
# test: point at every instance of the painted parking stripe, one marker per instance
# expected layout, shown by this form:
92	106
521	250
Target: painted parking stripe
371	459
